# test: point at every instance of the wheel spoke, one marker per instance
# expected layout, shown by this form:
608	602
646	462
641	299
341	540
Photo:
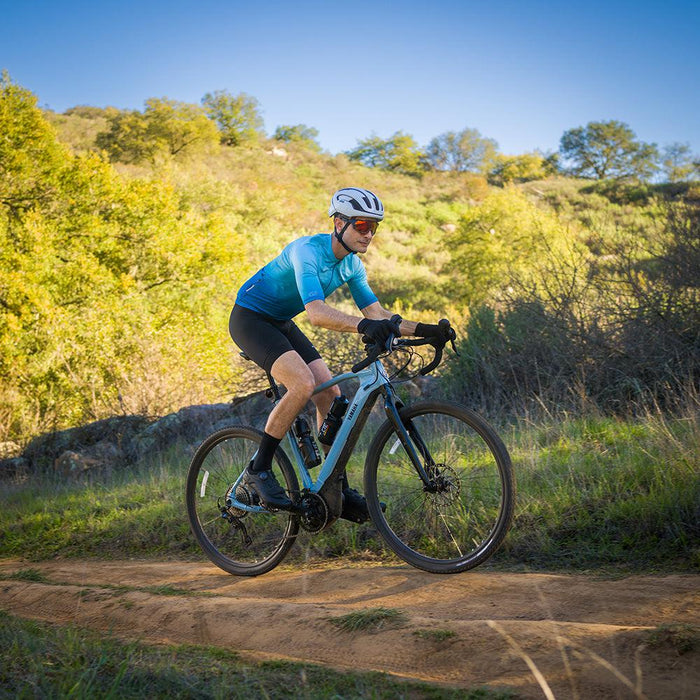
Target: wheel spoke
242	543
462	518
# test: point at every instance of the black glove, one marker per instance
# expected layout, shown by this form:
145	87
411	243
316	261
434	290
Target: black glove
379	332
442	331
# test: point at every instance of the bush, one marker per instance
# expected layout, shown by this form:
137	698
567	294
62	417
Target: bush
619	335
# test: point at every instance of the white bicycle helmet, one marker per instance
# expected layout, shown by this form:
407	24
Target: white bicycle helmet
354	202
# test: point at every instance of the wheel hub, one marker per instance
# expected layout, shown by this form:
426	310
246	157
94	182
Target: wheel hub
244	496
445	486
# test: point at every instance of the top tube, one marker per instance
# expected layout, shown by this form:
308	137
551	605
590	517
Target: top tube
335	380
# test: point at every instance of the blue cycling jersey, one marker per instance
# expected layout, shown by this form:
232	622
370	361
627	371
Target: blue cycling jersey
304	271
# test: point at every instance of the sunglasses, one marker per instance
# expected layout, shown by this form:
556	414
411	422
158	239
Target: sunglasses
365	225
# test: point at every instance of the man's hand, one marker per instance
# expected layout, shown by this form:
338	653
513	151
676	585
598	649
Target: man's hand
379	332
441	331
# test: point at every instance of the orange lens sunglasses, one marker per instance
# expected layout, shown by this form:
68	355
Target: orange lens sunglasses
365	225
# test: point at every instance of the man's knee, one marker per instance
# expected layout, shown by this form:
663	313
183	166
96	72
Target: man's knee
302	383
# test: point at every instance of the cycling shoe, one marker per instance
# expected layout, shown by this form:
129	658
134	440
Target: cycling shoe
271	494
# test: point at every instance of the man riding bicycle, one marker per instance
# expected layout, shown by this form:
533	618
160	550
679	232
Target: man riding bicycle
300	278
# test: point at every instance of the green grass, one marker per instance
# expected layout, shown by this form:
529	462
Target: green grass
39	660
601	492
33	575
592	493
370	620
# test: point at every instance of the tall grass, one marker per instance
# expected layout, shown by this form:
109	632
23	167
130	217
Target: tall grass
602	491
592	492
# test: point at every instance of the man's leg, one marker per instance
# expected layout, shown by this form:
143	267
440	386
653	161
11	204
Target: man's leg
290	370
323	399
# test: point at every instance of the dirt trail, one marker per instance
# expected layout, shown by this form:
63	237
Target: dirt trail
585	635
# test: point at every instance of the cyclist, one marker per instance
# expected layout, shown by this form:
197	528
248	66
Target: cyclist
299	279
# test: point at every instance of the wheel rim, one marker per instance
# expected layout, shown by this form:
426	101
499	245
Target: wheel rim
459	518
224	538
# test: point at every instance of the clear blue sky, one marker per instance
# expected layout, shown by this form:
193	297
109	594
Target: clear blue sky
520	72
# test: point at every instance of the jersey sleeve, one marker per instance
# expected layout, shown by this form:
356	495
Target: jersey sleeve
361	292
306	274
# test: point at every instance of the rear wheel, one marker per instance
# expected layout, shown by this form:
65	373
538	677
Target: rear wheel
461	519
241	542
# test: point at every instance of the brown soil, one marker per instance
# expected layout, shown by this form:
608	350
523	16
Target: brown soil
587	637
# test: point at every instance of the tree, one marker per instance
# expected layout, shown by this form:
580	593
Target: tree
299	133
165	126
677	162
529	166
108	284
608	150
237	116
400	154
463	151
30	156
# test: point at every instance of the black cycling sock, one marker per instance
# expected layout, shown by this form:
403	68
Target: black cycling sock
263	460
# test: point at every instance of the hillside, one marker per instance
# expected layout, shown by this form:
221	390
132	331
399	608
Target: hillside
118	277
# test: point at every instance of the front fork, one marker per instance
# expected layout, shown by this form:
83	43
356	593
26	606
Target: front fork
412	442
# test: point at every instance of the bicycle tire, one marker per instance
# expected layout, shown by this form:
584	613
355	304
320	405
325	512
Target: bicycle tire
215	467
461	526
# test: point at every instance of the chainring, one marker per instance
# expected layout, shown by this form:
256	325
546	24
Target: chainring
314	512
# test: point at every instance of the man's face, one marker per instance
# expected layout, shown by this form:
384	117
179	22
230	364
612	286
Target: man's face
358	240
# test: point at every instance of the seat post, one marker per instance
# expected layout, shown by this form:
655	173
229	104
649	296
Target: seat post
273	387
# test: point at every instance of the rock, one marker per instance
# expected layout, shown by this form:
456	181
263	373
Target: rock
43	451
15	468
193	424
103	456
72	464
9	449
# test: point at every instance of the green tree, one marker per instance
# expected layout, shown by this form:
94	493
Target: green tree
463	151
608	150
108	285
299	133
677	162
30	156
400	154
500	239
529	166
164	127
237	116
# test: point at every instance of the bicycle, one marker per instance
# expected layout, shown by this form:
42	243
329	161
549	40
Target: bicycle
442	471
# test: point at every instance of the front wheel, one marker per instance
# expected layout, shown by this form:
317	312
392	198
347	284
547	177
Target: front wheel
242	542
461	518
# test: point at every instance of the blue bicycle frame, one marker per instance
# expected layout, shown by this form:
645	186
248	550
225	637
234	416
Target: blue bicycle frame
373	381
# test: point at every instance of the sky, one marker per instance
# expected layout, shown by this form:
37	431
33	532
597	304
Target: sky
521	73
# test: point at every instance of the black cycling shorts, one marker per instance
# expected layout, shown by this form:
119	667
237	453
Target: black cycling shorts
264	339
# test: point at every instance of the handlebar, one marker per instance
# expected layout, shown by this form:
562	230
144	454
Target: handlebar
374	351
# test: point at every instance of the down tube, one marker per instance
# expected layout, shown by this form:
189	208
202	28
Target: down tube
371	382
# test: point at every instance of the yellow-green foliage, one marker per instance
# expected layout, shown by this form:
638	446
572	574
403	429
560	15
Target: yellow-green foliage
113	291
502	237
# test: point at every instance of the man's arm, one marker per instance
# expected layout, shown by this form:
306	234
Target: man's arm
321	314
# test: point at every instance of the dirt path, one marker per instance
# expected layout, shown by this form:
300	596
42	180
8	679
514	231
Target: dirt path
586	636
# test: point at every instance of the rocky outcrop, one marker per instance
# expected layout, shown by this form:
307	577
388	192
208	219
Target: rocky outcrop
121	441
